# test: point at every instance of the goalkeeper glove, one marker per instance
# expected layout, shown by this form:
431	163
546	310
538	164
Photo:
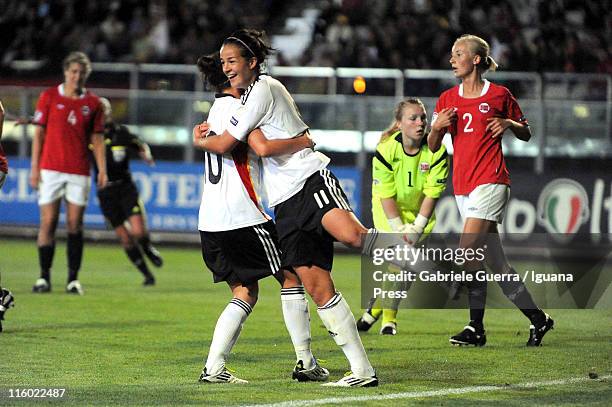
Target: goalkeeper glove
413	231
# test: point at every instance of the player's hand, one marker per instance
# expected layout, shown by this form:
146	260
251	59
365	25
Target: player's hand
411	232
34	179
308	142
497	126
102	179
200	131
145	154
446	118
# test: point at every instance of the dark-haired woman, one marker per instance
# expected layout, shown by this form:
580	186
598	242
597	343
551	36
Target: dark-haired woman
239	242
477	113
310	206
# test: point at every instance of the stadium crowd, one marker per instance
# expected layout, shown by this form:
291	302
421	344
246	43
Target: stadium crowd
528	35
533	35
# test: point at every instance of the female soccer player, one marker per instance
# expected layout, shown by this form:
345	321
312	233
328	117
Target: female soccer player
239	241
311	208
407	180
477	113
6	297
68	118
119	200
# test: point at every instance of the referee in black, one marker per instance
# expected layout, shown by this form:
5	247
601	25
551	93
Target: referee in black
119	200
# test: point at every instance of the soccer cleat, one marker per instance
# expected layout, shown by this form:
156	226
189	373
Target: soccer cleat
317	373
537	333
390	328
469	336
350	380
223	377
153	255
74	287
41	286
149	281
366	321
6	301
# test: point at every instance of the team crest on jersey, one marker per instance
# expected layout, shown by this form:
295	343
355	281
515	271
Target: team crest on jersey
60	106
85	110
234	121
424	167
484	108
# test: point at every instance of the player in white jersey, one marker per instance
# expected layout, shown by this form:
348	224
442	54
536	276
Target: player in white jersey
310	207
239	242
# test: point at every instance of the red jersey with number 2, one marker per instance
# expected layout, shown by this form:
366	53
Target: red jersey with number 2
478	158
69	124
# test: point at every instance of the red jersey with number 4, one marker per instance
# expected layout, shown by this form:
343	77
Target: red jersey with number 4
3	161
478	158
69	124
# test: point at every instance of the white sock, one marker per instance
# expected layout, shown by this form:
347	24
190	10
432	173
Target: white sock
340	322
226	334
297	321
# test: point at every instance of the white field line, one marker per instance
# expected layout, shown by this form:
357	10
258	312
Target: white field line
431	393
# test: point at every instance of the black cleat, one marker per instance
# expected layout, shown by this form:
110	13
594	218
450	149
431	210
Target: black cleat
536	333
41	286
366	321
6	301
317	373
469	336
153	255
149	281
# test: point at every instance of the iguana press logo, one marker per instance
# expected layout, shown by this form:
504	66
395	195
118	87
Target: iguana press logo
563	206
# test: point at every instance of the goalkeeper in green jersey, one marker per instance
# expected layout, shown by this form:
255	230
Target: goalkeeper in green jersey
407	180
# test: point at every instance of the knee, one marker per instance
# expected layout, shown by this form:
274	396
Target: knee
320	294
288	279
249	293
353	238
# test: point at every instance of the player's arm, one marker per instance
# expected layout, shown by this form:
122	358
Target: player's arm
37	144
443	120
99	152
392	213
206	140
383	187
266	148
497	126
144	151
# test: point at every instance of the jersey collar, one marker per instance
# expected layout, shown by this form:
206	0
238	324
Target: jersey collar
398	138
484	91
60	90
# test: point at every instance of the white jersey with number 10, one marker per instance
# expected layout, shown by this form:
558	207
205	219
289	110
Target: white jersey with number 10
231	196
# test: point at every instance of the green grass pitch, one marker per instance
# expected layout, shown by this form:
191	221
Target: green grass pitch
123	344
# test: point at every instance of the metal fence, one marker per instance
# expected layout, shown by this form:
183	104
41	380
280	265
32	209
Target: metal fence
570	114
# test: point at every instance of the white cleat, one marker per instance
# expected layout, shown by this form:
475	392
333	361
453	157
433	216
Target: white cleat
354	381
223	377
74	287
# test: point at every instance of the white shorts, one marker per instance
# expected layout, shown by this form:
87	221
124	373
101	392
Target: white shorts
55	185
487	201
2	178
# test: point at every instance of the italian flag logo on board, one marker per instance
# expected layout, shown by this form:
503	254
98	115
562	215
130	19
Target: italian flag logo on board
563	206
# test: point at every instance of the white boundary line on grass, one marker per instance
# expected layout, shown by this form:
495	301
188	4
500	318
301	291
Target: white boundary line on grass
431	393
